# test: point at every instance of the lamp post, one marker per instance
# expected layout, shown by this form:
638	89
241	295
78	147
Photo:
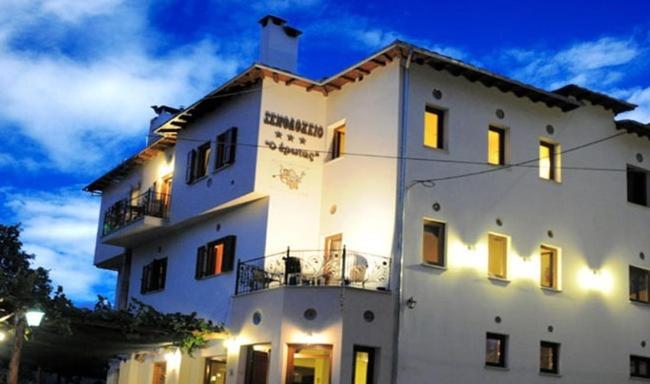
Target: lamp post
23	319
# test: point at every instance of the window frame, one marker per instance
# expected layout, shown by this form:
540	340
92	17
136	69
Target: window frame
553	158
555	350
154	276
226	149
338	141
206	260
440	128
632	195
371	351
442	244
502	145
291	351
555	285
505	256
503	349
635	361
646	272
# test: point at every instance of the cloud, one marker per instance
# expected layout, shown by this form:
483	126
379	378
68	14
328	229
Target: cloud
60	229
80	106
593	63
640	97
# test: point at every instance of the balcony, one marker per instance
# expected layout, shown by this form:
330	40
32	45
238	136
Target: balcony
149	210
343	268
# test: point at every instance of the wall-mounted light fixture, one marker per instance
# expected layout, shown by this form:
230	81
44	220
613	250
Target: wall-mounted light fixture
411	303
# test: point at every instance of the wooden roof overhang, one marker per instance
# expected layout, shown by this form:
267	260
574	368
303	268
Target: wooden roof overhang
634	127
118	173
615	105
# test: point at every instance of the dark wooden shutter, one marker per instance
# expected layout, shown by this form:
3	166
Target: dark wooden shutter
189	171
210	265
146	278
231	145
162	273
200	262
229	244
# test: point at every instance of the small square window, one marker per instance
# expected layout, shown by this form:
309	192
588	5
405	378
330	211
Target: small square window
549	157
338	142
496	349
496	146
433	243
549	267
640	366
637	186
497	256
549	357
639	284
434	128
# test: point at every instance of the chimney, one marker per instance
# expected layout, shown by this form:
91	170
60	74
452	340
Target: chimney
279	44
163	113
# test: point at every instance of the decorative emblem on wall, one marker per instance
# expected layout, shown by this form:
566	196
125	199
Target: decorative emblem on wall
290	177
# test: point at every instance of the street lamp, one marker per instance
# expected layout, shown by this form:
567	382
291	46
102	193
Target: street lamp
34	317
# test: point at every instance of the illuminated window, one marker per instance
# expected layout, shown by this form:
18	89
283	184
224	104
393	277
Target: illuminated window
433	243
548	161
549	267
159	373
226	148
639	366
496	146
197	163
154	275
497	256
549	357
637	185
434	128
495	350
215	370
216	257
338	142
308	364
639	288
364	365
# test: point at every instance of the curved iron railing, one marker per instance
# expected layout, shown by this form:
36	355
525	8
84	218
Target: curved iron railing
314	268
128	210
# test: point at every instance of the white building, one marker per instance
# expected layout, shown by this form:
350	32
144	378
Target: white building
411	219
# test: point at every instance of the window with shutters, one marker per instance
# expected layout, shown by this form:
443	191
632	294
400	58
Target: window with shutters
640	366
549	161
496	146
496	348
198	161
434	128
549	271
338	142
549	357
433	243
216	257
637	186
226	149
153	276
639	284
497	256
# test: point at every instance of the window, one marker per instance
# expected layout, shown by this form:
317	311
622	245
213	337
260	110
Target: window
338	142
549	267
433	243
495	350
497	256
549	357
153	276
434	128
215	370
159	373
637	186
639	366
639	280
197	163
364	365
226	148
496	146
308	364
216	257
548	161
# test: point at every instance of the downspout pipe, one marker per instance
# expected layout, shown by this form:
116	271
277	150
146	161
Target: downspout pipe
398	254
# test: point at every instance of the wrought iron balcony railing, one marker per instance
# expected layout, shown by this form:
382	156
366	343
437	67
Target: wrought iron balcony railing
314	268
126	211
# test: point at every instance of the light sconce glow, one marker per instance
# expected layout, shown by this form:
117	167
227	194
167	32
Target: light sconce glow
34	317
596	280
166	168
467	256
231	343
3	336
524	268
173	359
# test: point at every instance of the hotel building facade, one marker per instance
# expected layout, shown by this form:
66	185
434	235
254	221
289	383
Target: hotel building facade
411	219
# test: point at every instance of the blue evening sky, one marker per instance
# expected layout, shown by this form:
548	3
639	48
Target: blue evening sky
78	77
